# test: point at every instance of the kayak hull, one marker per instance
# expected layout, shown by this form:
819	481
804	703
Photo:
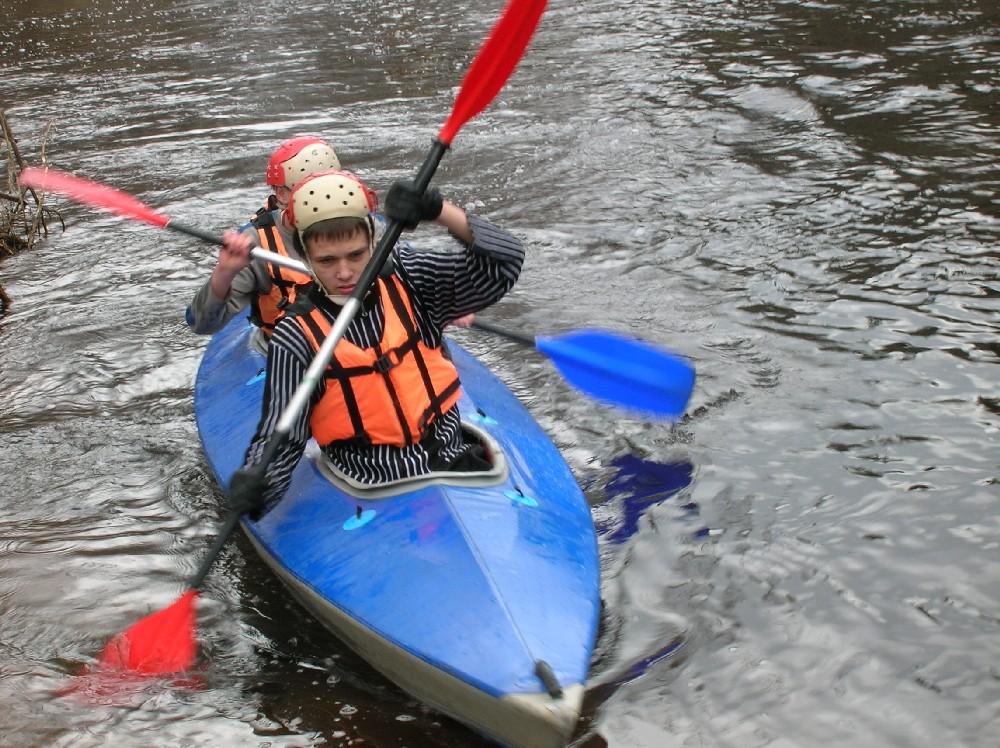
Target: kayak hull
460	589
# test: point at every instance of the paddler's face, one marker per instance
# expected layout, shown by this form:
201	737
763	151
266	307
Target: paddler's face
338	263
282	195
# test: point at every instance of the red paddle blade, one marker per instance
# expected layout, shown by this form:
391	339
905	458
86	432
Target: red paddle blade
494	63
159	644
91	193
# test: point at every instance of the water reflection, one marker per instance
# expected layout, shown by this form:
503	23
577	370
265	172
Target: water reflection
637	485
651	638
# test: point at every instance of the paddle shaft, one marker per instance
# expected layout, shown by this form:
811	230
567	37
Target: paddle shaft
489	327
233	519
260	254
197	233
213	552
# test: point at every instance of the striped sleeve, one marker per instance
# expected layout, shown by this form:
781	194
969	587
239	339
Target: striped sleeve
452	284
288	357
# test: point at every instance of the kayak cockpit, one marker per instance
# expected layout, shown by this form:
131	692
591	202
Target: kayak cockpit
496	475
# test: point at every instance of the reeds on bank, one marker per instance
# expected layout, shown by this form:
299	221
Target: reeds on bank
24	218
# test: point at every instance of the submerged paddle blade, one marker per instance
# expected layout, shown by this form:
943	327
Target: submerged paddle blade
494	63
91	193
622	371
159	644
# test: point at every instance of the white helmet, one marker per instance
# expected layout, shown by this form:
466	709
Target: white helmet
329	194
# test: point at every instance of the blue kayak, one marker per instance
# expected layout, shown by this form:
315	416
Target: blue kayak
478	593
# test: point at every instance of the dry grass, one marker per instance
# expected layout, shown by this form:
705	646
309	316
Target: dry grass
24	218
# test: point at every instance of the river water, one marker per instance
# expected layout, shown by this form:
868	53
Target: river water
799	196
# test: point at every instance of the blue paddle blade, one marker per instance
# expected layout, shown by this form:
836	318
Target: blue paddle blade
622	371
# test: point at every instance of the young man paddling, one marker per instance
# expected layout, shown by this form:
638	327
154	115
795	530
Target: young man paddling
386	407
264	286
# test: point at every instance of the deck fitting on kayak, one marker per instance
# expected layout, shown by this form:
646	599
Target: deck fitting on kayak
518	497
548	679
480	415
361	518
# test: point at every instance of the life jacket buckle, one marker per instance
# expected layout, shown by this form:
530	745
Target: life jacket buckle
385	362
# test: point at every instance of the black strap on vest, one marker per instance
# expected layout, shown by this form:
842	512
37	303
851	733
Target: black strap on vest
264	220
262	217
303	304
383	365
412	335
335	371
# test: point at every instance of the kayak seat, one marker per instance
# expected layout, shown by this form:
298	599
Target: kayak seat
496	474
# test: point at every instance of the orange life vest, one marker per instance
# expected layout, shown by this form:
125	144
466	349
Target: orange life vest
388	394
286	284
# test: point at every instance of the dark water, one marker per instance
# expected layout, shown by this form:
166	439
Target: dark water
800	196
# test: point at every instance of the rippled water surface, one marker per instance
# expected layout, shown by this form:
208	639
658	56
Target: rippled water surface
799	196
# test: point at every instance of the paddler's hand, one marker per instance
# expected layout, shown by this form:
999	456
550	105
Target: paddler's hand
235	253
463	321
246	490
406	204
233	257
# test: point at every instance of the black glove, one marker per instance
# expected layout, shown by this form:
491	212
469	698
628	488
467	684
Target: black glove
246	490
404	203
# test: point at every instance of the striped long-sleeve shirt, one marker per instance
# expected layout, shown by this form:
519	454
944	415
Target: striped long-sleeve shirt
442	286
